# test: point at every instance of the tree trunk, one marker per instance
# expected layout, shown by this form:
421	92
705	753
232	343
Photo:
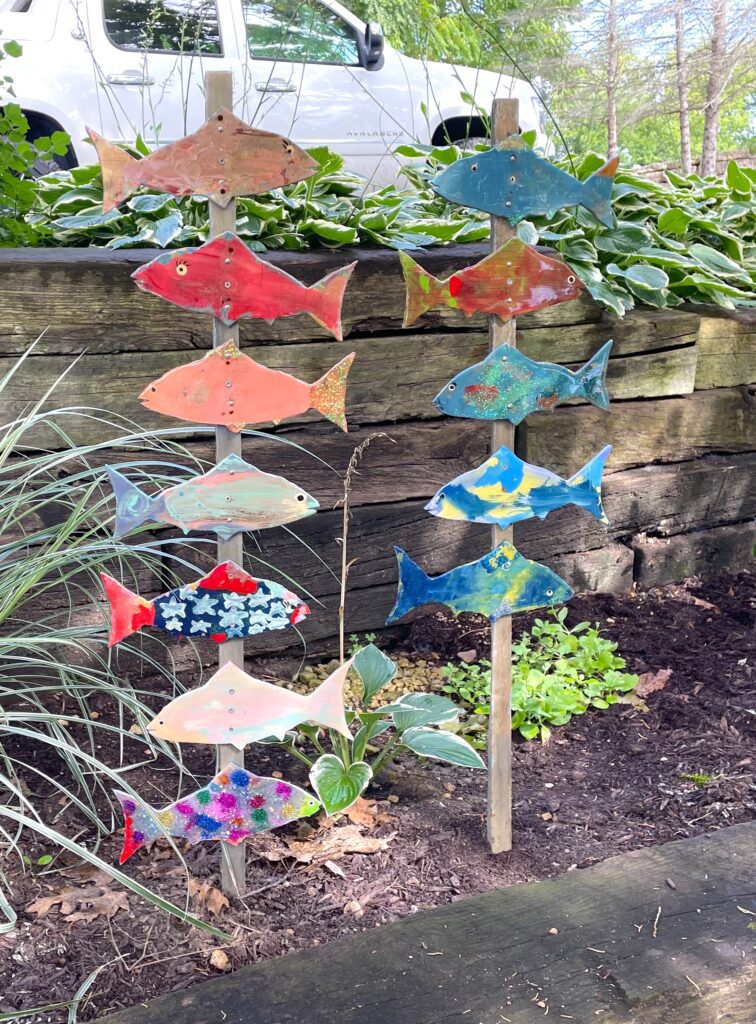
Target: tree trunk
714	87
682	88
611	83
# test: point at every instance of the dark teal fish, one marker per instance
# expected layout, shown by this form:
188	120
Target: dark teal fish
499	583
512	181
505	490
507	385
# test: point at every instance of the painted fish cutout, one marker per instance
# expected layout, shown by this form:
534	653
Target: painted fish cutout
223	159
505	490
224	604
515	279
513	182
234	804
231	498
507	385
229	389
224	277
499	583
235	708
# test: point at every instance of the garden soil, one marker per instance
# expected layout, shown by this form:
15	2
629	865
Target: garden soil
607	783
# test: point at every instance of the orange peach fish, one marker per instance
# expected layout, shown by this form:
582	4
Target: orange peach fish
223	159
227	388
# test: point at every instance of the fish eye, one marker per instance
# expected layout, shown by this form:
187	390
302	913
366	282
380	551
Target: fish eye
452	387
549	593
153	388
181	269
571	279
441	496
300	497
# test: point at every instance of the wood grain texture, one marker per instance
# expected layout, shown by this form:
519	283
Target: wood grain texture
492	957
726	350
662	560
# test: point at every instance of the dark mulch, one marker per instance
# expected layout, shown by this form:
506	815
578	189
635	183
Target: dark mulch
607	783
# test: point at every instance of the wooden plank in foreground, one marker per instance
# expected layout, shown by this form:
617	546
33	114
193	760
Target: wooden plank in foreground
629	949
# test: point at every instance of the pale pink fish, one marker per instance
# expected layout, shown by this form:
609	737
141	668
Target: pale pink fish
235	708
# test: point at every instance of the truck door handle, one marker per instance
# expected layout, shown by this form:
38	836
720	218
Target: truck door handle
130	78
275	85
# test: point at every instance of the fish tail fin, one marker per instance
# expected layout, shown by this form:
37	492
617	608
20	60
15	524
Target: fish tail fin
128	611
327	701
597	192
592	377
327	296
133	838
423	290
133	506
589	479
118	167
328	395
413	586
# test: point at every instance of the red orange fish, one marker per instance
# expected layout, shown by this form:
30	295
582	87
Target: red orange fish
223	159
515	279
228	389
225	278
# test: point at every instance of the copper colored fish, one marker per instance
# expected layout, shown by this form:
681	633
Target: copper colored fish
227	279
229	389
223	159
515	279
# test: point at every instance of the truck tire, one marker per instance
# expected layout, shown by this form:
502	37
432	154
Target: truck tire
40	127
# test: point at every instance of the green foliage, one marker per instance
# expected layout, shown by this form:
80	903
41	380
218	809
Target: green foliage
699	779
355	643
414	723
691	240
557	672
18	159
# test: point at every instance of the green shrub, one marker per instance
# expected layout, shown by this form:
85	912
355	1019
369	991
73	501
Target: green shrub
557	672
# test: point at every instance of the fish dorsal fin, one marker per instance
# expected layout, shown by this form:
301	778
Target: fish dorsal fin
229	350
233	463
232	772
230	577
503	467
514	251
501	558
235	124
231	675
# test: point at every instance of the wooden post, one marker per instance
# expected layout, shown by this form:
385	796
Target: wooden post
505	120
219	92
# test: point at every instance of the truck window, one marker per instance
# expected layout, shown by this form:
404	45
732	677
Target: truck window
164	26
303	31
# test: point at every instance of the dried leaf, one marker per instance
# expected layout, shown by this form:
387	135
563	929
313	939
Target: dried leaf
207	895
334	868
467	656
83	904
106	905
704	604
650	682
366	813
354	907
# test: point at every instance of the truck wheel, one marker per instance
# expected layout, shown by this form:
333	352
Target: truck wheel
462	131
40	127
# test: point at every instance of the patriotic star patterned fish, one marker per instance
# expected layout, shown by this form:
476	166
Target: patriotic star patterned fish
229	389
515	279
225	604
505	490
507	385
499	583
235	804
223	159
224	277
231	498
234	708
513	182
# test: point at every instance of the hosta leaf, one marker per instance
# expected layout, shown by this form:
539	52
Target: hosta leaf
330	231
149	203
375	669
423	709
443	746
336	785
674	221
736	179
645	277
167	229
718	262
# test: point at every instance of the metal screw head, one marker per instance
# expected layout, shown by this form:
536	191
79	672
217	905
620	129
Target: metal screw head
229	383
226	284
227	260
508	203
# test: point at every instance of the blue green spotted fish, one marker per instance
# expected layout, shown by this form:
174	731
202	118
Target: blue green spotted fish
506	385
505	490
499	583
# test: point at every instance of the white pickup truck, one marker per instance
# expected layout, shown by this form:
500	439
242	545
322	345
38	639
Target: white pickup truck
308	69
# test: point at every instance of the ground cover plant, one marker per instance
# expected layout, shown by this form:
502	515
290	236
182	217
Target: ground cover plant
558	672
690	240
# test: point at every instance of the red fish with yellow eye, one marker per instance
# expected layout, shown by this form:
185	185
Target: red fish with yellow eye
224	158
513	280
225	278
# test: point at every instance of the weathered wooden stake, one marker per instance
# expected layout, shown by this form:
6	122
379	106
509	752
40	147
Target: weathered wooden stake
219	92
505	120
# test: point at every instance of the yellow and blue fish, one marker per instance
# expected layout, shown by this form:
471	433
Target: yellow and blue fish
499	583
504	490
512	181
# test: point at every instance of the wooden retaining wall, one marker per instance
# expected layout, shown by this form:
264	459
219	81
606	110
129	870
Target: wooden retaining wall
680	490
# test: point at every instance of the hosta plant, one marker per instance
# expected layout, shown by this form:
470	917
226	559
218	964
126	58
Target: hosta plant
341	769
